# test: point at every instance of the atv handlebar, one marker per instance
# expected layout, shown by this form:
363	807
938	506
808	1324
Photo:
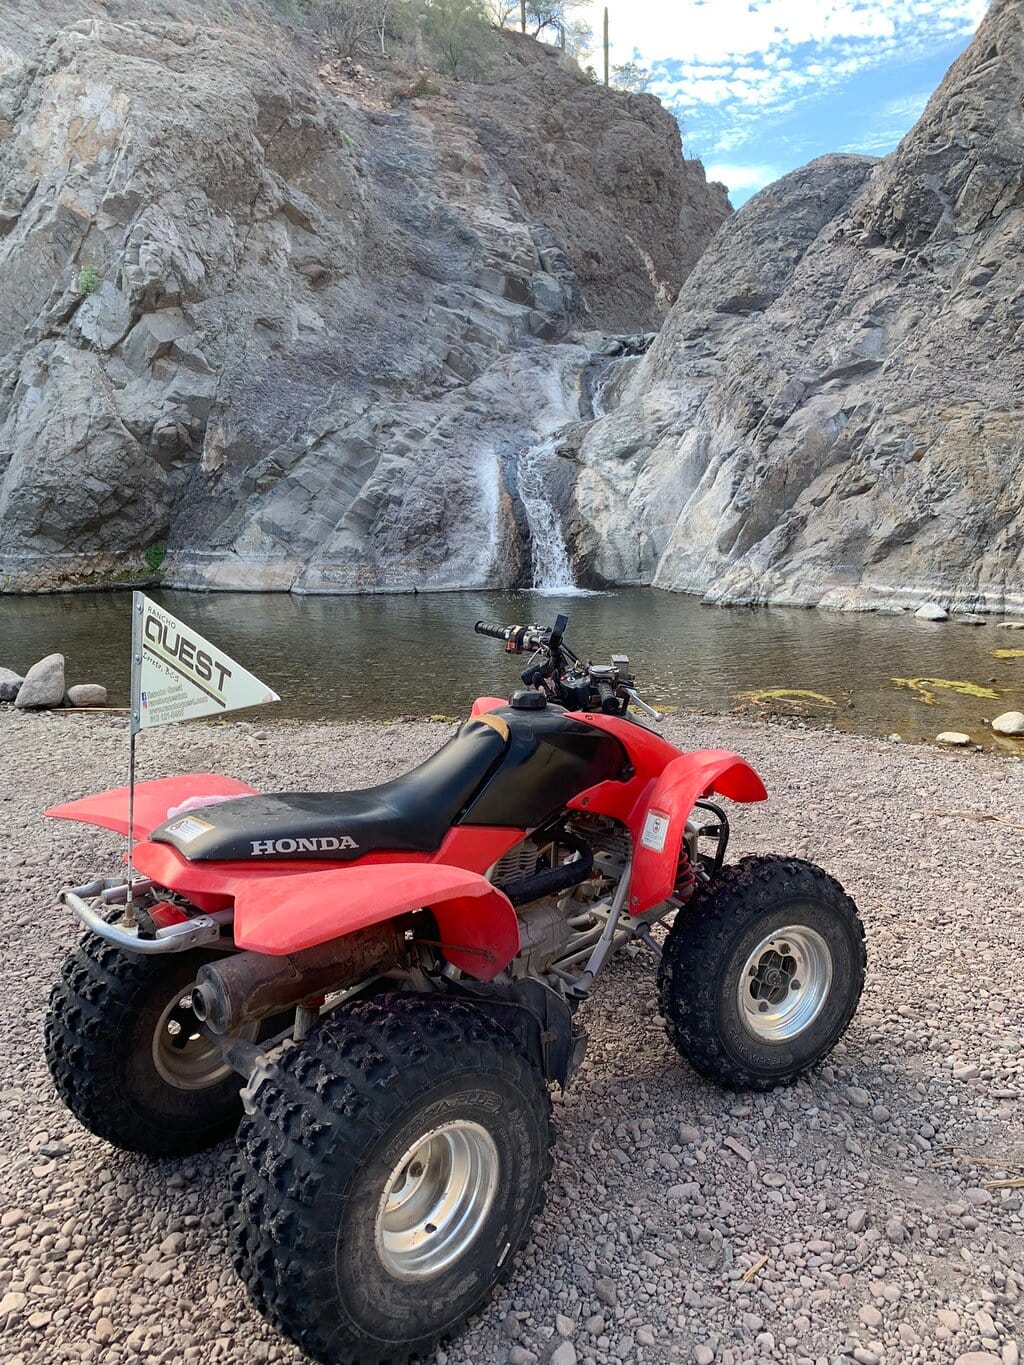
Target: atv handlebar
589	687
518	639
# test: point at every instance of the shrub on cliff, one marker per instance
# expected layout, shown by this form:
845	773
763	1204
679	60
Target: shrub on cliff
459	36
347	27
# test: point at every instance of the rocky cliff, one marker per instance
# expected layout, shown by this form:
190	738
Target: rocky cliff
267	322
834	412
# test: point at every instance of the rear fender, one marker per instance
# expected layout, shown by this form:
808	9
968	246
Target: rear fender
477	924
154	801
659	817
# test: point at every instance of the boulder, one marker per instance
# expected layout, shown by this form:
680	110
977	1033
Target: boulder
1009	723
953	737
86	694
931	611
10	683
44	683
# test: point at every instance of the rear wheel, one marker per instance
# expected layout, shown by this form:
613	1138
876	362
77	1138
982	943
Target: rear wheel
126	1054
387	1176
762	971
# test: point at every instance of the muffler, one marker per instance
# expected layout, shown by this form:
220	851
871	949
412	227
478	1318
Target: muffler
248	986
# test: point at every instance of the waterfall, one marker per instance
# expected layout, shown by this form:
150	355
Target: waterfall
604	381
552	570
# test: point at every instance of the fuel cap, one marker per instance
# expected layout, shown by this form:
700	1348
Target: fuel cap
528	699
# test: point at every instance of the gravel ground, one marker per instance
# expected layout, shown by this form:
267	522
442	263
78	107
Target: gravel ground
856	1215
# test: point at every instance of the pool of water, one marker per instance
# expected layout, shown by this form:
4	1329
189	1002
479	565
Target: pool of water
385	656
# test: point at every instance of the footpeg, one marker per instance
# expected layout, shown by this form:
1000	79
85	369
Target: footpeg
643	933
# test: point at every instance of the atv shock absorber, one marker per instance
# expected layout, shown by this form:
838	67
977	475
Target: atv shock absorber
686	877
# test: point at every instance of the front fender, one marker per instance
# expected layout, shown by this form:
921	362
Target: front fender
477	924
659	818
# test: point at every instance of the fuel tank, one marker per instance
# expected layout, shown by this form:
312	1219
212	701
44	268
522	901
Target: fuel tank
550	758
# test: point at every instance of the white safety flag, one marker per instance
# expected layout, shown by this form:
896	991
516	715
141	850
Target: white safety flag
177	675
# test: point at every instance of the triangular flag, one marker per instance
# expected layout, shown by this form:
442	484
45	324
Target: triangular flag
177	675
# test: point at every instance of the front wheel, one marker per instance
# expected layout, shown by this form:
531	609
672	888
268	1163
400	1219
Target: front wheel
762	972
386	1177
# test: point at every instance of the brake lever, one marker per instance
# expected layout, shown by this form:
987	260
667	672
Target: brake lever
634	700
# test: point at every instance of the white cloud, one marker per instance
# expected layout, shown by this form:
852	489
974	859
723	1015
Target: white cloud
707	31
737	61
908	108
742	178
890	125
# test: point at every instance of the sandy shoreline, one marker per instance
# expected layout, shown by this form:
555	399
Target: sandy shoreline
859	1188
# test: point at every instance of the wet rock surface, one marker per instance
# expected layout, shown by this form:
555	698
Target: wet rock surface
830	415
259	331
812	1224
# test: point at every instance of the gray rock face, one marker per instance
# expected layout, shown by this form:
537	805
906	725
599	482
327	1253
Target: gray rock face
293	330
1009	723
86	694
831	415
44	683
10	682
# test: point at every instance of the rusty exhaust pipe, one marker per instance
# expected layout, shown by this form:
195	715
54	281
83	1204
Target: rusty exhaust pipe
248	986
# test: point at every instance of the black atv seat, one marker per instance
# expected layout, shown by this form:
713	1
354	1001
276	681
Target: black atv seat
411	814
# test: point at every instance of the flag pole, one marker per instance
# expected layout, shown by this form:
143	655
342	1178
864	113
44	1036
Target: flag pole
138	602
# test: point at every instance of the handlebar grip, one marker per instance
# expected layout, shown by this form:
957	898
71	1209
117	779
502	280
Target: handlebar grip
606	693
495	632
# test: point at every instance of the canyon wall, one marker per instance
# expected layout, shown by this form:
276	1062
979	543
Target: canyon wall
833	414
269	321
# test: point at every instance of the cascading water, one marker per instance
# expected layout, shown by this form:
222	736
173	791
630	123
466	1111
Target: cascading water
552	569
537	468
604	382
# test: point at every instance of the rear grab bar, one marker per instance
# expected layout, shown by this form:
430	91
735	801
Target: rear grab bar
173	938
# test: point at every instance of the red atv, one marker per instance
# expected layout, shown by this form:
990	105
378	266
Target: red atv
396	975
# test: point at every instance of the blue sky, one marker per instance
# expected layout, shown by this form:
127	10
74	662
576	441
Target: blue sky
763	86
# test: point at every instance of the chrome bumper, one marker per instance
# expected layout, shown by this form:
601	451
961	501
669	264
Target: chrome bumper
175	938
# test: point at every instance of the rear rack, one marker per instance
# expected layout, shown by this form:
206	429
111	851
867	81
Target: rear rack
174	938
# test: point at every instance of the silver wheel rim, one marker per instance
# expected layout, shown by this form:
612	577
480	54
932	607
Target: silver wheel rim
436	1200
784	983
182	1056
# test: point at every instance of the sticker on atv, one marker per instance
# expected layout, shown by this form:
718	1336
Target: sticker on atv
189	828
655	831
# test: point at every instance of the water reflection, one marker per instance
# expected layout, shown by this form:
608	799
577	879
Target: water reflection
383	656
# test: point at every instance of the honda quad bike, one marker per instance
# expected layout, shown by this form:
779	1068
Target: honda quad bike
381	985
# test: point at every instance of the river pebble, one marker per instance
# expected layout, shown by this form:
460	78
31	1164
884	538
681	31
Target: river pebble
786	1235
